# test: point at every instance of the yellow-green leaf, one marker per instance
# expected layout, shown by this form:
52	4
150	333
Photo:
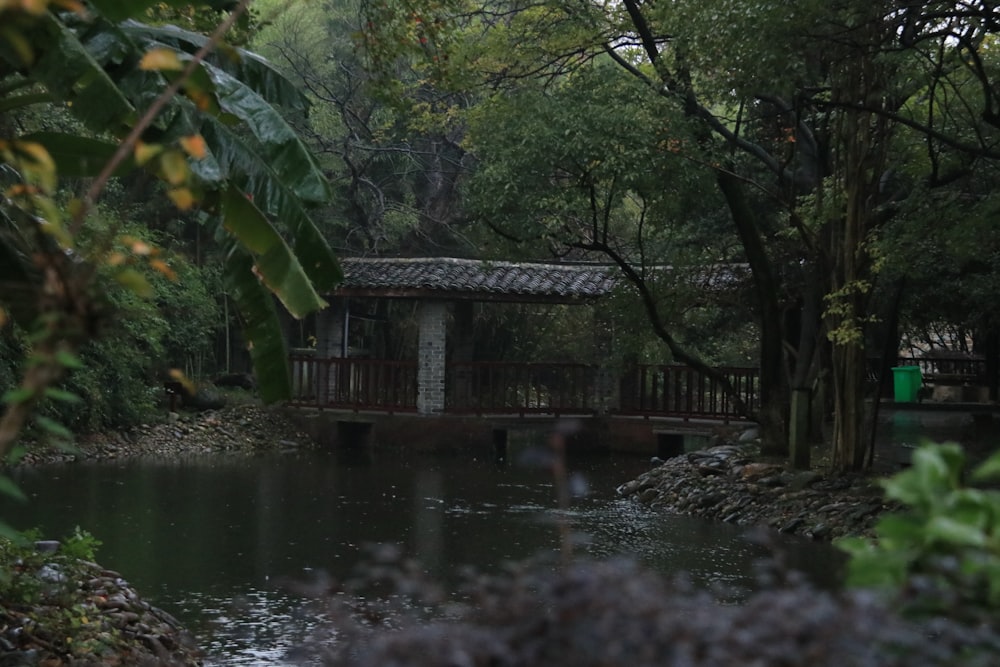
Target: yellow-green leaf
145	152
161	59
194	146
182	198
38	164
62	395
19	44
174	166
15	396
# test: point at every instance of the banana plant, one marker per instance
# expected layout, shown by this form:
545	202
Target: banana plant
203	117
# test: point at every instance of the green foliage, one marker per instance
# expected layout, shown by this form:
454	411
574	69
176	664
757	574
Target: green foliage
845	109
41	592
80	545
189	306
21	561
946	247
116	380
395	160
207	125
942	554
11	490
545	152
203	17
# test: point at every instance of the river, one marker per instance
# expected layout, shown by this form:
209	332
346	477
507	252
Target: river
208	539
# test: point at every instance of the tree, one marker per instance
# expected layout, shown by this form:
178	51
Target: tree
394	170
611	185
806	117
205	122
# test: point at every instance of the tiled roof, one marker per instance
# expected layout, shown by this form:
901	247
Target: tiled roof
473	277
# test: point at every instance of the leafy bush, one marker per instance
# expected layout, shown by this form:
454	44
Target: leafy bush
118	383
618	614
80	545
942	555
28	575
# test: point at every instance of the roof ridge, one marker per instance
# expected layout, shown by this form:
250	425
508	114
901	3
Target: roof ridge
463	275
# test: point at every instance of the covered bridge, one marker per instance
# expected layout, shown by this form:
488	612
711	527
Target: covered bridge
444	378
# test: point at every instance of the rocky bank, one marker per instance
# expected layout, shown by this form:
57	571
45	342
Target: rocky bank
76	613
729	483
238	429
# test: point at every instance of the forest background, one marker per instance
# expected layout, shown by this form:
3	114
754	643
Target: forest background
843	154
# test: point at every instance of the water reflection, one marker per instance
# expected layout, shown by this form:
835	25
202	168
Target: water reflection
207	539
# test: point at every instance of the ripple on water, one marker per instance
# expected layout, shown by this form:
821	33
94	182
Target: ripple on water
256	628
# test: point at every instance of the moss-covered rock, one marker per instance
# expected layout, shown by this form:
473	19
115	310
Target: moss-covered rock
57	608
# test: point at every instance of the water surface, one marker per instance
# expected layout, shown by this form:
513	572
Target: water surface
208	538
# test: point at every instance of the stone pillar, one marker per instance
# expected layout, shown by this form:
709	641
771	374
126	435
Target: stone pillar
431	357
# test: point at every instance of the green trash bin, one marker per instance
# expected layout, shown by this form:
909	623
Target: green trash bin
906	381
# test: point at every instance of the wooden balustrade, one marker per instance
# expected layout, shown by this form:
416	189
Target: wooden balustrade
491	387
681	391
482	387
357	384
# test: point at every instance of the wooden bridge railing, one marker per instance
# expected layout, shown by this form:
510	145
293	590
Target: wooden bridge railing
681	391
488	387
947	370
357	384
482	387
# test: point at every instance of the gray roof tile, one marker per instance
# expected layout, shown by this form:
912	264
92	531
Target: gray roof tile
478	277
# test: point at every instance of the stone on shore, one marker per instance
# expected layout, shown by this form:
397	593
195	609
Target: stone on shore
82	615
240	429
727	483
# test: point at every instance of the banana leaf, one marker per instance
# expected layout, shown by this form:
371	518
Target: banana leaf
274	261
284	151
239	163
254	71
69	72
261	325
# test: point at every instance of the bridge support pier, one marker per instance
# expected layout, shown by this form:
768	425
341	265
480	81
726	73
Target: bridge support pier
669	445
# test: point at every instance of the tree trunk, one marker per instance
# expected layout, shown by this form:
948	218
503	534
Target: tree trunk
863	137
849	412
774	390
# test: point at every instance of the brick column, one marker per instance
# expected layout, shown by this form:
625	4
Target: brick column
431	357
